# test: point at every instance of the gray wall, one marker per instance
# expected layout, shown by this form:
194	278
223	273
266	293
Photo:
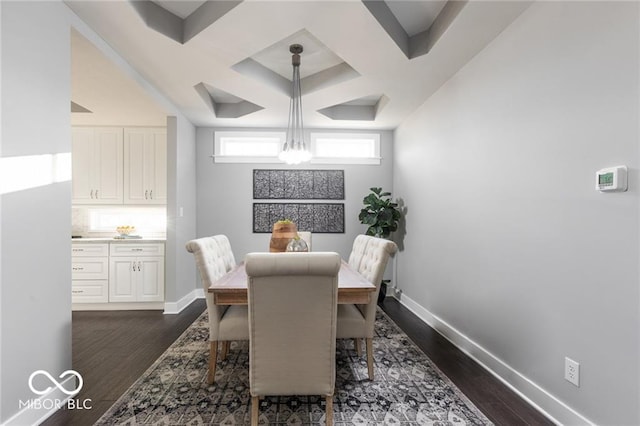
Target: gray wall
181	207
35	278
225	197
509	249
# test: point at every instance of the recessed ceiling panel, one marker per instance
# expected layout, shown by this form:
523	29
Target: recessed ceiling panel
361	109
223	104
316	56
415	16
319	66
180	8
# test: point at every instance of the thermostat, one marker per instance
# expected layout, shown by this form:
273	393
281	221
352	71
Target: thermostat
612	179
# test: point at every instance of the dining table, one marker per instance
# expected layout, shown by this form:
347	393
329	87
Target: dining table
231	288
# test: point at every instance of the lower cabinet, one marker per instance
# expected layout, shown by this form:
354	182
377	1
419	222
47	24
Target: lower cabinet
136	273
90	291
136	279
90	273
104	273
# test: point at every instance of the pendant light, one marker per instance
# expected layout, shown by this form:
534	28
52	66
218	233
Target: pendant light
294	149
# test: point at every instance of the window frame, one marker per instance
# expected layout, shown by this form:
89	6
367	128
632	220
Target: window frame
218	142
371	160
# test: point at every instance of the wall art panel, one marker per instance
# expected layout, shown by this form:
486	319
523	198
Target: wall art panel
325	218
298	184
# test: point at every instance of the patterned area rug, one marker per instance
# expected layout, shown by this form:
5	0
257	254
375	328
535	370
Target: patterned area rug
408	388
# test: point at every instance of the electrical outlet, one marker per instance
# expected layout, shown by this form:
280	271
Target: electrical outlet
572	371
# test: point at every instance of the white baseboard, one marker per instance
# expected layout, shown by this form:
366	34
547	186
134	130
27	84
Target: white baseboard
118	306
40	408
554	409
177	307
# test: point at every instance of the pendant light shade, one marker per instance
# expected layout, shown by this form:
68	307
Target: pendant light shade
294	150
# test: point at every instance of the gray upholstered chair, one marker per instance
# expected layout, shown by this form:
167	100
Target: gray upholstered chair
214	258
369	257
292	324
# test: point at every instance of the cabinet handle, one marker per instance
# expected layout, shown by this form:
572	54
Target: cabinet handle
92	194
96	193
77	291
133	266
77	249
146	194
139	266
78	268
137	249
151	194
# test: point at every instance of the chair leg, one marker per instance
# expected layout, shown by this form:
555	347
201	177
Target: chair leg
356	343
225	350
213	358
255	412
329	415
369	342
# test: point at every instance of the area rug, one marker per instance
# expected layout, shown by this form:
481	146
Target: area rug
408	388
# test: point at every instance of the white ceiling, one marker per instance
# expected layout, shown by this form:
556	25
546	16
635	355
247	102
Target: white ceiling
357	54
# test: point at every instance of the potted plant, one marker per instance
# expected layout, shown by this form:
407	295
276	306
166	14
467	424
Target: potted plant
381	215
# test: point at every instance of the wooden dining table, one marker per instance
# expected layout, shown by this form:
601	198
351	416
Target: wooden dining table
231	288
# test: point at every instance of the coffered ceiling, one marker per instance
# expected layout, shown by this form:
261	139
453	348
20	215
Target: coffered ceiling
366	64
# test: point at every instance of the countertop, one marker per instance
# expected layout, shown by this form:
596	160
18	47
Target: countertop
119	240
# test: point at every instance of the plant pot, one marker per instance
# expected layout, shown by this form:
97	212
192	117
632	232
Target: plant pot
383	292
281	234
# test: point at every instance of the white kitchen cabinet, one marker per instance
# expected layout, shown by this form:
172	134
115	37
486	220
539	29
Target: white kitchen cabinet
97	165
145	165
136	273
90	291
89	273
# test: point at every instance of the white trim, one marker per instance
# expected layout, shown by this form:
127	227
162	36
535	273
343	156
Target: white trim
118	306
34	416
177	307
220	157
374	159
547	404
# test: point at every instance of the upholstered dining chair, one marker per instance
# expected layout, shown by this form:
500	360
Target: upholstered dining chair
306	236
214	258
369	257
292	325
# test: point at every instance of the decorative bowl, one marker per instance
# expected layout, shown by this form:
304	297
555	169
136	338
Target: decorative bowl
125	230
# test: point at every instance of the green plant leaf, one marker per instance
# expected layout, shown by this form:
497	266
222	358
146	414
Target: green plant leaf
380	214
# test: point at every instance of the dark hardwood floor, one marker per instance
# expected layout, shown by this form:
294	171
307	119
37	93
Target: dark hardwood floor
111	349
499	403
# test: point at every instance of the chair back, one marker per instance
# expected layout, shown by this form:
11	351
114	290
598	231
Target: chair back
306	236
292	322
369	257
214	258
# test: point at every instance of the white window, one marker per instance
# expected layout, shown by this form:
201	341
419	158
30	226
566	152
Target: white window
345	148
247	147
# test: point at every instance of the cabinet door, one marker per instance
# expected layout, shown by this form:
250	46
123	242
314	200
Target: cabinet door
135	191
157	166
109	171
145	166
82	164
122	279
97	165
150	279
89	268
89	291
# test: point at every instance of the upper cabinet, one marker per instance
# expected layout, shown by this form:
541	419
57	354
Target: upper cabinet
145	166
97	165
115	165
